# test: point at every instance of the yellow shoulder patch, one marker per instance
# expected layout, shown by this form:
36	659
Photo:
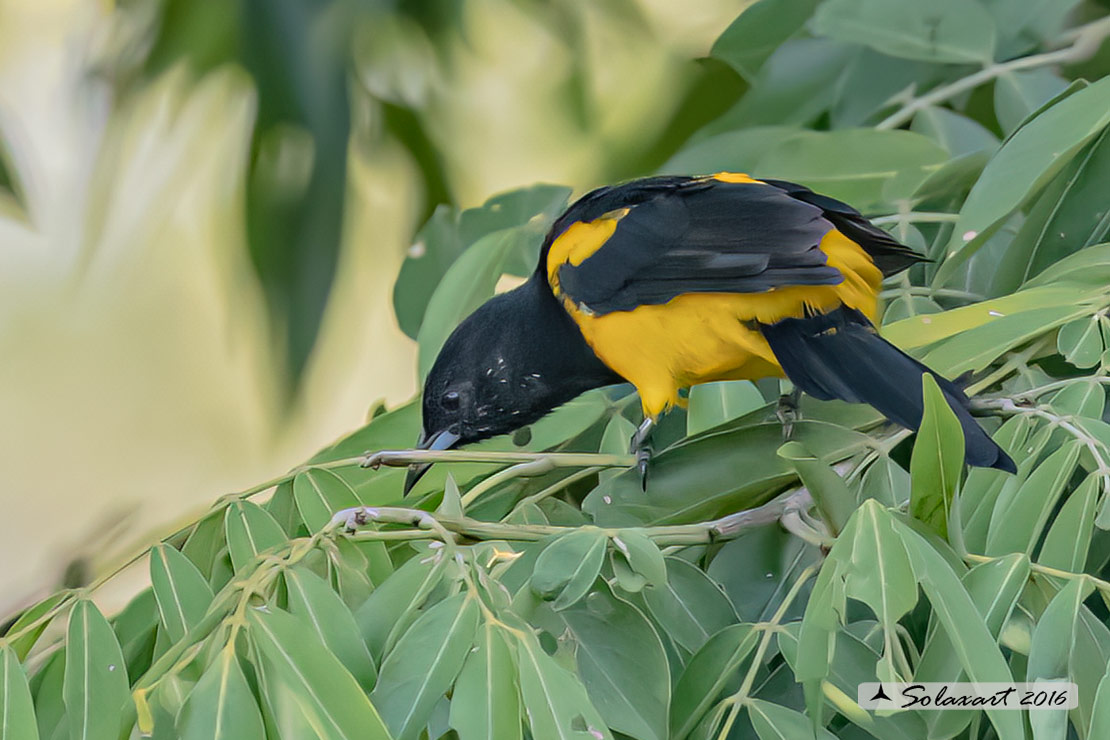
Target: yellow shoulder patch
579	241
735	177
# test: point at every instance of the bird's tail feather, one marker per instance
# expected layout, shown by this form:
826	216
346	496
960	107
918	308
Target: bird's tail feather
839	355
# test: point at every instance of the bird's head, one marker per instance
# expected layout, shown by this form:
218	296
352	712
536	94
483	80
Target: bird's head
491	377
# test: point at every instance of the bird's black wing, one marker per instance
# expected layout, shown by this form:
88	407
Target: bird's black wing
700	236
889	255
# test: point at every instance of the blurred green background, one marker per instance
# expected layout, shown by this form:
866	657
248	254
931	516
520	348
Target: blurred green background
204	205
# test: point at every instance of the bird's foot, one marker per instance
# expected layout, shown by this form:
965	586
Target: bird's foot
641	448
788	412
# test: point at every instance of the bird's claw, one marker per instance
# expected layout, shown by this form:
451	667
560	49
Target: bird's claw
641	448
788	412
643	457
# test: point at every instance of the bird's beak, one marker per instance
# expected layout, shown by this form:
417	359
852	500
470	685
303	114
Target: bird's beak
444	440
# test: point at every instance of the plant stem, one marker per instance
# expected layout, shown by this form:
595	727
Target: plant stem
554	488
401	458
1085	41
769	628
920	217
1045	570
439	527
1007	407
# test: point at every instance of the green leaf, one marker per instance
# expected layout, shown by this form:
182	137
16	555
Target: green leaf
468	284
706	676
435	247
772	560
953	31
712	404
47	689
424	664
758	31
205	541
696	479
1051	651
302	678
1026	162
17	712
283	508
957	133
829	490
1100	715
250	531
1019	519
391	606
182	593
938	459
321	609
880	574
994	587
622	664
22	645
452	501
854	661
556	702
886	482
642	555
486	700
568	567
319	494
1080	342
775	722
1019	94
1065	218
614	441
733	151
221	706
852	164
1069	539
794	87
689	606
957	614
96	689
1081	398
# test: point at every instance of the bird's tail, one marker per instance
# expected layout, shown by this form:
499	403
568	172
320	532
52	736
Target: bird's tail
840	355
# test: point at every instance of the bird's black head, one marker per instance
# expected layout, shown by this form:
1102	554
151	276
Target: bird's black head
510	362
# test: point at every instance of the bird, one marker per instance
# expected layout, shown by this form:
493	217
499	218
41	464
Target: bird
669	281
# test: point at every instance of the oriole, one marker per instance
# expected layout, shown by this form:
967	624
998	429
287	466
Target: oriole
667	282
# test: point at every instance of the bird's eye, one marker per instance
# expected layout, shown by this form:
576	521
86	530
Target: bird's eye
451	400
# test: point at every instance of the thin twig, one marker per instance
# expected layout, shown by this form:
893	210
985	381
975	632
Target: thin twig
401	458
918	217
1085	41
1007	407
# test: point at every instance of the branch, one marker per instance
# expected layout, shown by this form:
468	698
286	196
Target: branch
401	458
423	525
1085	41
1008	407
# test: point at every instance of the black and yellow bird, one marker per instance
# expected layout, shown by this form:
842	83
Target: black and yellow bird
667	282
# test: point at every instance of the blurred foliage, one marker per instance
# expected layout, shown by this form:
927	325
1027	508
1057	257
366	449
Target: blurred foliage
320	65
564	602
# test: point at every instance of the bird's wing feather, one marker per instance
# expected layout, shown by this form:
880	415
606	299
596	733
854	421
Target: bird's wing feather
704	236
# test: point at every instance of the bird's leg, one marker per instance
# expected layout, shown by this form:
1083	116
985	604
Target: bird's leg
641	448
788	411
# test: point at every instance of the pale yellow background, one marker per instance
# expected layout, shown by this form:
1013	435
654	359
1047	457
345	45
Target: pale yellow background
137	378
